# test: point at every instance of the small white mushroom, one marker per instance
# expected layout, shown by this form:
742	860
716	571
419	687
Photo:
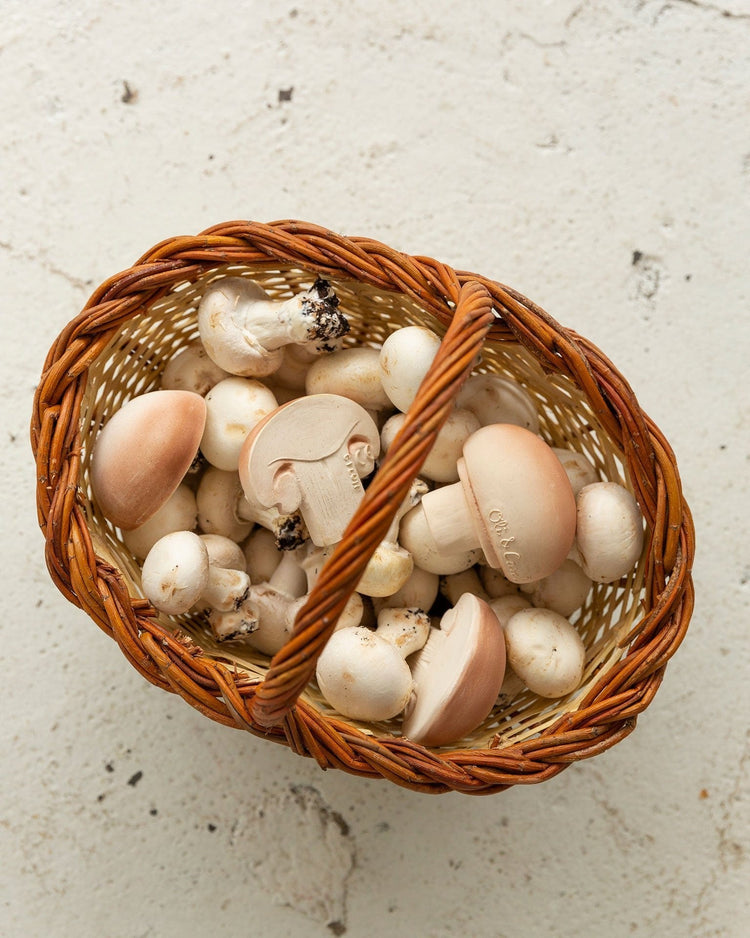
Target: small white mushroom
295	364
493	399
545	651
406	629
142	453
405	359
352	373
563	591
457	675
175	572
609	531
579	470
233	407
418	592
363	676
441	462
228	583
262	556
192	370
224	552
454	586
244	330
178	513
505	607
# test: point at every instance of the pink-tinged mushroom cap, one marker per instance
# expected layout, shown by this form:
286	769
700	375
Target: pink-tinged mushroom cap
457	675
142	453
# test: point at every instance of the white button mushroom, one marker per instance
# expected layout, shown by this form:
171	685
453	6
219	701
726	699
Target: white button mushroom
514	501
175	572
441	462
609	531
496	583
578	468
295	364
191	370
418	592
352	373
505	607
178	513
563	591
262	555
310	456
493	399
363	674
454	586
143	452
405	359
244	331
457	675
545	651
233	407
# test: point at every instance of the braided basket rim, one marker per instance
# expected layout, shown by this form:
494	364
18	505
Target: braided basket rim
172	661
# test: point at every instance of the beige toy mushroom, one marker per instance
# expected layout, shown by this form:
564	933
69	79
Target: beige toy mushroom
310	456
244	331
143	452
416	536
545	651
457	675
514	501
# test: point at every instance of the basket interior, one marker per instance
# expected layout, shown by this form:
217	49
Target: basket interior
132	364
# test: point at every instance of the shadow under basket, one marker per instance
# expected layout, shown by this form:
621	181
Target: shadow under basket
137	320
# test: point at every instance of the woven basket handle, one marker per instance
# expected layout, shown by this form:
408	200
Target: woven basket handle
293	666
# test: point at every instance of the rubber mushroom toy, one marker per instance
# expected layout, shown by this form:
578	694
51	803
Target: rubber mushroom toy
457	675
609	531
142	453
545	651
178	513
310	456
352	373
493	399
441	462
405	359
390	566
233	407
514	501
363	674
416	536
244	331
192	370
223	509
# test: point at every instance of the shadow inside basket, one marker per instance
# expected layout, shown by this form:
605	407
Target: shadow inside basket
133	362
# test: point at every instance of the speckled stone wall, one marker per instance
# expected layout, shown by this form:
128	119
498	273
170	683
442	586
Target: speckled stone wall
593	153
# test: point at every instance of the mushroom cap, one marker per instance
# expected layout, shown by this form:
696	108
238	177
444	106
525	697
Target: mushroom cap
387	570
175	572
351	372
441	462
178	513
505	607
405	359
609	532
418	592
233	407
563	591
521	499
192	370
545	651
579	469
142	453
217	498
493	399
457	675
363	676
224	552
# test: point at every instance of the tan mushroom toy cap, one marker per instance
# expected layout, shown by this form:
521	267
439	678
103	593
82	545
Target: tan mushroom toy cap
309	455
143	452
457	675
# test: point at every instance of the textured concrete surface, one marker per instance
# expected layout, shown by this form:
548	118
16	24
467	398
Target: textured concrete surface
593	153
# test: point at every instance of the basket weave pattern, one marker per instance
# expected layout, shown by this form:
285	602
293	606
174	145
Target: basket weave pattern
118	345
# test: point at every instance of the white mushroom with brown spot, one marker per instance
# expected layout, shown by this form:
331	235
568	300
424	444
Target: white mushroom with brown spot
142	453
233	407
192	370
244	331
457	675
363	674
545	651
609	531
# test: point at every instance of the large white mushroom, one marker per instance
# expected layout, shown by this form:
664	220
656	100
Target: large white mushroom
545	651
609	531
233	407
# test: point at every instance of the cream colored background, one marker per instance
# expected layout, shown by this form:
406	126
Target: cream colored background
593	153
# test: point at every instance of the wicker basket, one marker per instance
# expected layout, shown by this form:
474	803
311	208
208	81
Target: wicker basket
117	347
